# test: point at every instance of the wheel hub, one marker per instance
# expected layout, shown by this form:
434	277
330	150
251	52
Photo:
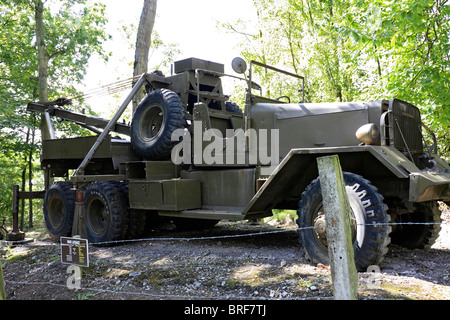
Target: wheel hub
320	227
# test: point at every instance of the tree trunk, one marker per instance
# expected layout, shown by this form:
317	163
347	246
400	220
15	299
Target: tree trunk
44	58
143	42
2	283
24	176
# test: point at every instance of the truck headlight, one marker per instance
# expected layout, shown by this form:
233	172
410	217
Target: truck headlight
368	134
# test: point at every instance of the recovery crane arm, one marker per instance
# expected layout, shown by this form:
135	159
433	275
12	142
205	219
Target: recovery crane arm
89	122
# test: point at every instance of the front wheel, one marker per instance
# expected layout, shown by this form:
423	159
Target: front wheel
370	234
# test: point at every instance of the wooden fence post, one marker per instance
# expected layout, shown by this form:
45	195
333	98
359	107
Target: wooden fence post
2	283
338	225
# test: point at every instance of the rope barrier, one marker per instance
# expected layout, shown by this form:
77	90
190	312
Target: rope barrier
252	234
153	295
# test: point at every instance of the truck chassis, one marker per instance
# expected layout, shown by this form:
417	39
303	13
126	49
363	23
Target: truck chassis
116	184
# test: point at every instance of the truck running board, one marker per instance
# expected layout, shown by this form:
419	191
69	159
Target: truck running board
206	214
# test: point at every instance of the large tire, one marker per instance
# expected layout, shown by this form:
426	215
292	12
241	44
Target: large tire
416	235
59	208
230	106
233	107
136	218
106	212
136	223
369	240
159	114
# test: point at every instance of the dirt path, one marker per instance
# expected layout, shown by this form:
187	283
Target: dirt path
263	266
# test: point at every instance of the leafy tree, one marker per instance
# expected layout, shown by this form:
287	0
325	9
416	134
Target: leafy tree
410	41
44	51
360	50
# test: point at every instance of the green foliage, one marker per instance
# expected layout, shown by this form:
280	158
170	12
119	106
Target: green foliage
84	296
10	174
410	39
73	31
282	216
352	50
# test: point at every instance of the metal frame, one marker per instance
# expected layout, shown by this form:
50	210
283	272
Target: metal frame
89	122
109	126
260	64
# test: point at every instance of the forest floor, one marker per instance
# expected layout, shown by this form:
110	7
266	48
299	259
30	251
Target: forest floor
228	265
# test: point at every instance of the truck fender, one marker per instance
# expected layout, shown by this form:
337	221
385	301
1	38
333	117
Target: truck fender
299	167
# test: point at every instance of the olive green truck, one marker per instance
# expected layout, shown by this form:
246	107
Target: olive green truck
192	156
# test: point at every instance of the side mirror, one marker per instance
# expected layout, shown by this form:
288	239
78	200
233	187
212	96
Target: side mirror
239	66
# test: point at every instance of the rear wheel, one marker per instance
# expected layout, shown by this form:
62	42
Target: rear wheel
106	212
418	235
136	223
369	240
59	208
136	218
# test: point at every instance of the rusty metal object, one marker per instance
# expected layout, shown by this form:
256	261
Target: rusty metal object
15	234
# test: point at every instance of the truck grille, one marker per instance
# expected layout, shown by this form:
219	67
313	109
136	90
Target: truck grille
406	126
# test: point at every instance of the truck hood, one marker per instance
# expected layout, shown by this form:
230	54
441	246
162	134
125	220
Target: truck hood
296	110
313	125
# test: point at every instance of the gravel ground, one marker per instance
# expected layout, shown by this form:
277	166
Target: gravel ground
268	265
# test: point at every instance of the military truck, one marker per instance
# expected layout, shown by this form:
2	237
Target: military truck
192	156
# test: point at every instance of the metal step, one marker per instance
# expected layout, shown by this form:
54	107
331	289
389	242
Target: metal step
232	214
152	170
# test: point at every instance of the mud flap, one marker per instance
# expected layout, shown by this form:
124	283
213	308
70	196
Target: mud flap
79	223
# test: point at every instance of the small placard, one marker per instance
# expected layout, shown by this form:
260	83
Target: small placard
74	251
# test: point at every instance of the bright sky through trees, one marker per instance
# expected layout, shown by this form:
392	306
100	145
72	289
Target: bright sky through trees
191	25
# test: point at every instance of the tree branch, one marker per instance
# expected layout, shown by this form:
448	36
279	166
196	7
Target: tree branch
57	53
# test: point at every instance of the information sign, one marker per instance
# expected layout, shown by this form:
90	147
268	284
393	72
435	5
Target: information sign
74	251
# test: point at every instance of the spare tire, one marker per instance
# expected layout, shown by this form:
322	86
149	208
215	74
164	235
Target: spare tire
158	115
233	107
